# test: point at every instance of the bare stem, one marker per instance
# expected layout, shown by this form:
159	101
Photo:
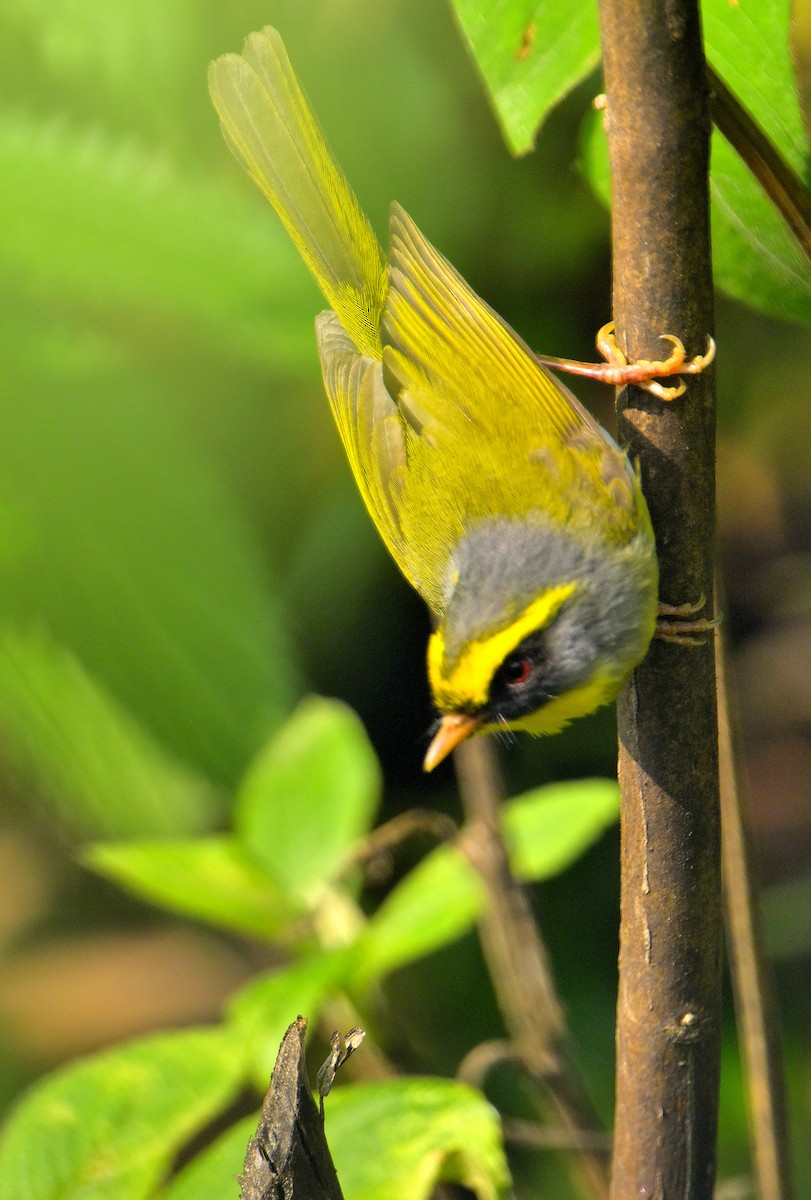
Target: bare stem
519	967
668	1017
752	984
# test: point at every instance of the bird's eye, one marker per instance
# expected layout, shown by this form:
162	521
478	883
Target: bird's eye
517	671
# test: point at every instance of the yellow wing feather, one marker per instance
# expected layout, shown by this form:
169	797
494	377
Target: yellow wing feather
463	378
430	308
371	430
272	131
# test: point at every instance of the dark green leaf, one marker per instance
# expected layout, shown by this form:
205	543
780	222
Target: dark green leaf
748	45
756	259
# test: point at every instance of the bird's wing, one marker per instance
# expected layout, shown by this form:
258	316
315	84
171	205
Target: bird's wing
464	379
451	337
371	430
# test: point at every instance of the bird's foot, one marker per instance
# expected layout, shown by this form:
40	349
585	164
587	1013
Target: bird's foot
643	373
675	623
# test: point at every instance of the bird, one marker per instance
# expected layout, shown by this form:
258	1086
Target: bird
503	502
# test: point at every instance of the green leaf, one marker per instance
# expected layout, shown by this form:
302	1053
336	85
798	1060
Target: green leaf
101	771
748	45
107	1128
548	828
400	1138
531	53
212	879
212	1175
262	1010
437	902
389	1141
755	257
308	798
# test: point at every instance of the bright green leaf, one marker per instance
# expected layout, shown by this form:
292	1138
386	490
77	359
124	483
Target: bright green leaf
107	1128
310	795
389	1141
548	828
531	53
211	879
91	760
400	1138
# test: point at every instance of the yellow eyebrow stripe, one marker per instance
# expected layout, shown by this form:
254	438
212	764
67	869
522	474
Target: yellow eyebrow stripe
467	684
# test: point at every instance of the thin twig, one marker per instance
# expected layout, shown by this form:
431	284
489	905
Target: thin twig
541	1137
375	853
668	1012
751	978
518	963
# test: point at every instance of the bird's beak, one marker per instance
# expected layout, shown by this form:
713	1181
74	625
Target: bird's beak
452	731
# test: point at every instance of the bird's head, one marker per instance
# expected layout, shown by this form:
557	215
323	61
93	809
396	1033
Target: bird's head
535	638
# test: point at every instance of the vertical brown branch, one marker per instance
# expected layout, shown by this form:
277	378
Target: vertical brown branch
668	1008
519	967
755	1004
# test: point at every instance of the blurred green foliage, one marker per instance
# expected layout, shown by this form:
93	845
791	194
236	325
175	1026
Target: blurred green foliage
182	552
288	876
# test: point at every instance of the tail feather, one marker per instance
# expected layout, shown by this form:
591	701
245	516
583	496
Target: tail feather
272	131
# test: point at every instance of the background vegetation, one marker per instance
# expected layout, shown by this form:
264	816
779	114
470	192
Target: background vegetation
182	552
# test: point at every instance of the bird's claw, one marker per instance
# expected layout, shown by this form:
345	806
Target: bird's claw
644	373
675	626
